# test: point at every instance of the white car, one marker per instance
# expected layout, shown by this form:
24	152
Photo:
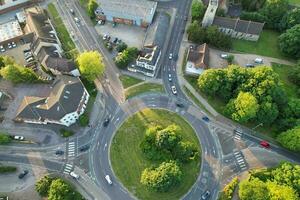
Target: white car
224	56
174	91
9	45
17	137
14	44
2	49
76	20
258	60
170	56
170	77
107	178
74	175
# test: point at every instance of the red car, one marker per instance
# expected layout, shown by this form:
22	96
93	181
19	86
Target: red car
264	144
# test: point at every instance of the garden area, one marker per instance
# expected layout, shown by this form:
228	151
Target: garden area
145	87
146	166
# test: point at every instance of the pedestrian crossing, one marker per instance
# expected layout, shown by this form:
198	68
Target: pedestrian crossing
68	168
237	136
71	149
240	160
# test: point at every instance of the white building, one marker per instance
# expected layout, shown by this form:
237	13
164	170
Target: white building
66	102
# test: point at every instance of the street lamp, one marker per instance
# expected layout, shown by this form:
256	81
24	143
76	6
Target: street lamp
257	126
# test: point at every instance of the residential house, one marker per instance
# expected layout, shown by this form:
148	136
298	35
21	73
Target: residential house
197	60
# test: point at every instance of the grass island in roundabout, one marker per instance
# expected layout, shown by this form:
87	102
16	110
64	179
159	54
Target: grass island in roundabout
156	155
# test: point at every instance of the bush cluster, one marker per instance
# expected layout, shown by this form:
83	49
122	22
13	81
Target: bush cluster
125	57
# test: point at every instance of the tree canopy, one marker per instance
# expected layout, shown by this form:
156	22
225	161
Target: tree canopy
91	65
290	139
290	19
18	74
43	185
125	57
289	42
91	7
198	10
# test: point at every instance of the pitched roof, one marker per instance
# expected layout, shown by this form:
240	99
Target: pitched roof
60	64
45	51
238	25
199	56
64	98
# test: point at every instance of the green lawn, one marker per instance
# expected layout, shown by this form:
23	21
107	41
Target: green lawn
265	46
128	161
62	32
128	81
146	87
295	2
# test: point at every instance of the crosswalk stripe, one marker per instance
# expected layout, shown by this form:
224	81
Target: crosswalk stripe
66	172
236	152
237	138
241	159
69	165
243	168
71	142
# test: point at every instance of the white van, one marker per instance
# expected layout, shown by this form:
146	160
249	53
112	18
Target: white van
107	178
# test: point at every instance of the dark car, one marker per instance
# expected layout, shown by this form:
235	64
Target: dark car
59	152
106	122
84	148
24	173
185	18
180	105
205	195
250	65
115	40
205	118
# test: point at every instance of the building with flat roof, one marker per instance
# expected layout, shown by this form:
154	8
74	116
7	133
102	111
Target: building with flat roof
65	103
10	5
131	12
197	60
10	30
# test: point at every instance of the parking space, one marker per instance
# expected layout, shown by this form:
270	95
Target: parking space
133	36
17	53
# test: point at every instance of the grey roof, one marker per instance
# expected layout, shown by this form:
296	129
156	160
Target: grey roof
64	98
60	64
238	25
129	9
44	51
149	55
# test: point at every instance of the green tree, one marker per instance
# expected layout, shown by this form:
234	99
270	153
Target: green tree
4	138
196	33
91	65
126	57
289	42
230	59
274	10
91	7
267	112
291	19
186	151
18	74
252	5
253	16
60	190
281	192
2	63
290	139
211	81
43	186
162	178
253	189
168	138
121	47
245	107
294	75
84	120
198	10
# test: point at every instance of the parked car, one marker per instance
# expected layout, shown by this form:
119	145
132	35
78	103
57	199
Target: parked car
264	144
180	105
224	56
250	65
205	195
173	89
205	118
170	56
59	152
74	175
106	122
13	44
259	60
2	49
107	178
101	22
9	45
23	174
115	40
84	148
17	137
170	77
114	24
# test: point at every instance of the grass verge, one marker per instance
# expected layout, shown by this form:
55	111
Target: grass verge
66	133
146	87
7	169
128	81
267	45
62	33
128	161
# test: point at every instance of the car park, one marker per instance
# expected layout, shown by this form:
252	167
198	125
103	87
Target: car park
84	148
23	174
59	152
107	178
205	195
205	118
264	144
174	91
106	122
170	56
74	175
170	77
259	60
17	137
224	56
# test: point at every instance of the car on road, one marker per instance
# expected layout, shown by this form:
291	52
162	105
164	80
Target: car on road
59	152
107	178
205	118
106	37
170	56
23	174
106	122
185	18
17	137
205	195
74	175
77	20
259	60
180	105
173	88
170	77
264	144
224	55
84	148
72	11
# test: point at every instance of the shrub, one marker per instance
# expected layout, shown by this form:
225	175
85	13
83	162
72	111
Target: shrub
7	169
121	47
66	133
43	185
4	138
83	120
229	189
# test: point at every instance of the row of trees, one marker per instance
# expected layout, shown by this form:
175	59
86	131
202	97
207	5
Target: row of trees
165	144
210	35
125	57
198	10
278	183
56	189
278	16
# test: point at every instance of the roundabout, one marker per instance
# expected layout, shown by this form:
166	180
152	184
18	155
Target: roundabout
128	160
